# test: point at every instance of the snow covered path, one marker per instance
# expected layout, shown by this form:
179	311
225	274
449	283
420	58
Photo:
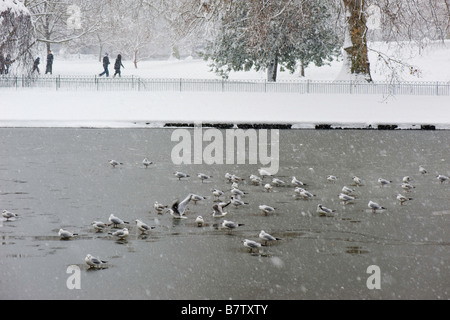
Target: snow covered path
33	108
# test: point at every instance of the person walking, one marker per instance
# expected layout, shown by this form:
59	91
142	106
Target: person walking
117	65
105	65
36	65
49	67
8	62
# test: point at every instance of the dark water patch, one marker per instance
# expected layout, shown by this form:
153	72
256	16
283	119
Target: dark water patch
356	250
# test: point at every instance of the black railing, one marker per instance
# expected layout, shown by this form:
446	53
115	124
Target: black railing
95	83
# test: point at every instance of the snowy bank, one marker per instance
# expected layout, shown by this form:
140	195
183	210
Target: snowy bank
32	108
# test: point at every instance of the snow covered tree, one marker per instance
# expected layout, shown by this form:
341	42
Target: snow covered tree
264	35
400	21
138	31
61	21
16	35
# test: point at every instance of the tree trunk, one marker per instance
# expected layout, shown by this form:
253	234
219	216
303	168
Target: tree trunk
135	58
356	46
302	68
272	70
100	53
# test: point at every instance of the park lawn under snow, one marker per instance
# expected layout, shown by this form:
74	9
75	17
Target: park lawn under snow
50	108
433	62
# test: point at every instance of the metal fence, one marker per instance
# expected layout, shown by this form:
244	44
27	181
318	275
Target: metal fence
95	83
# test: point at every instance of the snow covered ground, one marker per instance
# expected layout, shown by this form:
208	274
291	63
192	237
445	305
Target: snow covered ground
47	108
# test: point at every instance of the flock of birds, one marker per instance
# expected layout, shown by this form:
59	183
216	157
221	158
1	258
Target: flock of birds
178	209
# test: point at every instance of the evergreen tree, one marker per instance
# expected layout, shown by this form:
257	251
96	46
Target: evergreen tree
262	35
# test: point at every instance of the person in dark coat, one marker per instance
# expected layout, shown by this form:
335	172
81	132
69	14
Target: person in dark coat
117	65
2	63
49	67
105	65
36	65
8	62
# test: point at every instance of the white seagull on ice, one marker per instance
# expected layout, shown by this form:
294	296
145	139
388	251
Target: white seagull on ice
8	214
267	237
121	234
66	235
115	221
178	208
375	206
94	262
251	244
324	210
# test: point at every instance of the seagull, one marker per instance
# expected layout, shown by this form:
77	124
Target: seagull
115	221
375	206
235	178
218	209
217	193
406	179
267	237
407	187
66	235
357	181
180	175
347	190
422	170
324	210
121	234
296	182
251	244
203	176
278	182
199	221
383	182
99	226
267	187
114	163
146	162
402	198
255	180
230	225
159	207
196	198
93	261
178	209
442	178
264	173
331	178
303	193
142	226
266	209
238	192
345	198
8	214
228	176
237	202
235	185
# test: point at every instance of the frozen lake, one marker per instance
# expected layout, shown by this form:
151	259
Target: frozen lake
60	178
